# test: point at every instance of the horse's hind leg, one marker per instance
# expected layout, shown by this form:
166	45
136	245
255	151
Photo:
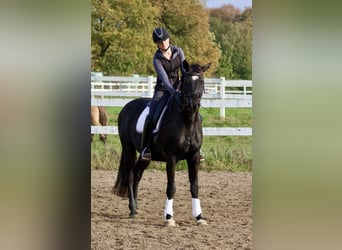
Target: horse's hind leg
138	171
103	137
132	205
124	182
193	165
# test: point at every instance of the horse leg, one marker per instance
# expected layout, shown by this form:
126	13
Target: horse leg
138	171
170	191
193	165
131	201
97	115
124	182
103	137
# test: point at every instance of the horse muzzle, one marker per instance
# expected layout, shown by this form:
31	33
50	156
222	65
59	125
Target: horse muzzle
193	102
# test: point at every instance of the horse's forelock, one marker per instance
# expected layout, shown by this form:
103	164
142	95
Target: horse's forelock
192	83
194	70
197	69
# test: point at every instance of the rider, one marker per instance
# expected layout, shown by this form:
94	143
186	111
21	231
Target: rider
167	61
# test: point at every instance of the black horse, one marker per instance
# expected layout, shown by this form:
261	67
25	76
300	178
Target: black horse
179	138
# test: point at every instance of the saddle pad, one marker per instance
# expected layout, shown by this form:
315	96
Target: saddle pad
142	118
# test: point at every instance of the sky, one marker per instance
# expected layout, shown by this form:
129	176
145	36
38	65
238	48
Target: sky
241	4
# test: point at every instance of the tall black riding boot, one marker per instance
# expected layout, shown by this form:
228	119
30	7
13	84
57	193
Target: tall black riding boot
145	139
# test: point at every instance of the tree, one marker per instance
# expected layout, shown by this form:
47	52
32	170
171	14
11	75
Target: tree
188	23
233	33
122	34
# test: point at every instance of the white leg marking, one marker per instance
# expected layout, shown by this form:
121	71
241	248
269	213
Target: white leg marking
196	207
169	210
168	207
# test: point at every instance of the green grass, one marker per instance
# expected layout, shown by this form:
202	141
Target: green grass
233	153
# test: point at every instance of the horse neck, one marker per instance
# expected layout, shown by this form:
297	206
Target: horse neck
180	112
190	117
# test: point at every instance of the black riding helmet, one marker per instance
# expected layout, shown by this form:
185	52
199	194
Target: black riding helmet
160	34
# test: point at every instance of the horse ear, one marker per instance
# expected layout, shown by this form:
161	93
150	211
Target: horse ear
186	66
206	67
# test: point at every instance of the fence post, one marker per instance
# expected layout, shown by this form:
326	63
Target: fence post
91	88
102	88
136	83
150	82
222	94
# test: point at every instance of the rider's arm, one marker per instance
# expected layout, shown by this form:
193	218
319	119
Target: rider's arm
182	59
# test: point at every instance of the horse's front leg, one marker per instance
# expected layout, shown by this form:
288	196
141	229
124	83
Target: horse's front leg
170	191
193	165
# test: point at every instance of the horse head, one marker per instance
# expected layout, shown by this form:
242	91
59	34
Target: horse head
192	86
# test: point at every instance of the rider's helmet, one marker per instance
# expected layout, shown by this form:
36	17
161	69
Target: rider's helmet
160	34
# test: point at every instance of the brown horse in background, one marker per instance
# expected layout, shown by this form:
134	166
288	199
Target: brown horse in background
99	117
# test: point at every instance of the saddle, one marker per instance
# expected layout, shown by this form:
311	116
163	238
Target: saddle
161	113
142	118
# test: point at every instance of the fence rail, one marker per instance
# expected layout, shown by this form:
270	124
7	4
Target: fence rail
119	85
116	91
213	131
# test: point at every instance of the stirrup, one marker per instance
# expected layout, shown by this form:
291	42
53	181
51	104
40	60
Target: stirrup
146	154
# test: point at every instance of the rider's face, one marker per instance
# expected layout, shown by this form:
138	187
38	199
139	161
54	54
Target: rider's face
164	44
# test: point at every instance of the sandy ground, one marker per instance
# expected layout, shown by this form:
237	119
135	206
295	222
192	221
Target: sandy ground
226	200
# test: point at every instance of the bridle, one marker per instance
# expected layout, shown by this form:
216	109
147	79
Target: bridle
192	90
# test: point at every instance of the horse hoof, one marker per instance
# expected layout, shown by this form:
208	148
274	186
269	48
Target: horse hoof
202	222
132	214
170	223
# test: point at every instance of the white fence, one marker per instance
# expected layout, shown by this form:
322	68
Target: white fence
219	93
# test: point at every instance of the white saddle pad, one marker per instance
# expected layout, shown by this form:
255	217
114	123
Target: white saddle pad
142	118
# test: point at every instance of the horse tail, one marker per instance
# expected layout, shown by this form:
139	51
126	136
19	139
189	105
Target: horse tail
103	116
125	173
126	119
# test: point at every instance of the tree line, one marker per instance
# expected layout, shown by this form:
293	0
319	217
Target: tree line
121	36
